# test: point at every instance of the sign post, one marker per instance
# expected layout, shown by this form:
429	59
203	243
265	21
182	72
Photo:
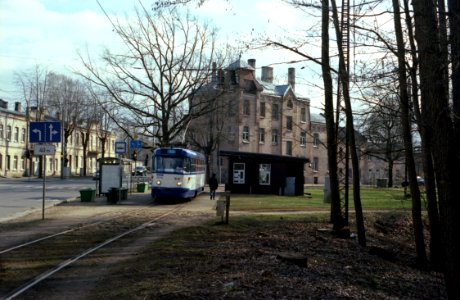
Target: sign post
41	133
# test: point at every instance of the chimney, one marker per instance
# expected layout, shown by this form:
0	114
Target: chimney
3	104
214	73
291	77
221	77
252	63
17	106
267	74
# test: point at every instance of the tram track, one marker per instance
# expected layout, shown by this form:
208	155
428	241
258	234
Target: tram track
26	265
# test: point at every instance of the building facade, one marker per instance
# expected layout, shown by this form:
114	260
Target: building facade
16	153
255	115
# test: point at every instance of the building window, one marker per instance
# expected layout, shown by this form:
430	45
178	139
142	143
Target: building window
15	163
315	164
262	109
8	163
16	134
8	133
303	115
275	136
288	148
23	164
315	139
23	135
1	131
275	111
303	138
264	174
261	135
289	122
246	134
231	134
238	173
1	161
231	108
290	105
246	110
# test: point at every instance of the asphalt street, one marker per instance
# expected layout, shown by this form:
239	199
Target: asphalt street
19	196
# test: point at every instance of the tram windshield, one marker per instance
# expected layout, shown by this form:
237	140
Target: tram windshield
164	164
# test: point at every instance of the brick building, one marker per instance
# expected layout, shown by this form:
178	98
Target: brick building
255	116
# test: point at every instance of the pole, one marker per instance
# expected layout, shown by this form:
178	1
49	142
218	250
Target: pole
44	186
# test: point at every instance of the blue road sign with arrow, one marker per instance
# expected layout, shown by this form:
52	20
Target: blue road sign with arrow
45	132
136	144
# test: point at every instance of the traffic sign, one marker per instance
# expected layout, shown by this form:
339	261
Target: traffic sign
120	147
45	132
44	150
136	144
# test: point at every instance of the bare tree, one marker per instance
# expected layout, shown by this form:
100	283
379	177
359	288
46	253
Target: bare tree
207	132
167	60
66	101
437	113
382	129
35	89
90	121
336	211
409	154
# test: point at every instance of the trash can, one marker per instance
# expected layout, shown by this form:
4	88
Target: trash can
113	196
123	194
382	182
87	195
141	187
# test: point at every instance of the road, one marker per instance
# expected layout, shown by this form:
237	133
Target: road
21	195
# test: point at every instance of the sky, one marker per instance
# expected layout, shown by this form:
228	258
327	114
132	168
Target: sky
50	33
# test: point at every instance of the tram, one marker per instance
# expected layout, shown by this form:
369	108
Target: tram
177	173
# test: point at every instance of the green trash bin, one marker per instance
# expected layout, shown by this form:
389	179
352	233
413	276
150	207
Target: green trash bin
123	194
113	196
87	195
141	187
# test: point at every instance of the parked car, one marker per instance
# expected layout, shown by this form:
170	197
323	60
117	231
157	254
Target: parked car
420	182
140	171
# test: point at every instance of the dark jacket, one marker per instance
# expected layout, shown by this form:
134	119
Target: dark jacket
213	184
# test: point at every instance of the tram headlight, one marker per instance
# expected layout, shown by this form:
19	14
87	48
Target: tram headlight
179	183
158	182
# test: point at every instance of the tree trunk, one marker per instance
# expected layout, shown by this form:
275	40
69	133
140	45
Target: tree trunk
390	171
344	78
428	169
406	123
336	211
436	113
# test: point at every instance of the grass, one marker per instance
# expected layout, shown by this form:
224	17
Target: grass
371	198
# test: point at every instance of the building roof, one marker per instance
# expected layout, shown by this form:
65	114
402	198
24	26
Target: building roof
317	118
239	64
272	89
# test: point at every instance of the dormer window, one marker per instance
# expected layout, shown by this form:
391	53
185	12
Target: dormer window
290	104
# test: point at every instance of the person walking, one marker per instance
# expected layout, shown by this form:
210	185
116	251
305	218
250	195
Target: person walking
213	184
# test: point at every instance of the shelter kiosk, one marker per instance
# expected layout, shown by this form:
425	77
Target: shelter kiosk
114	173
259	173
